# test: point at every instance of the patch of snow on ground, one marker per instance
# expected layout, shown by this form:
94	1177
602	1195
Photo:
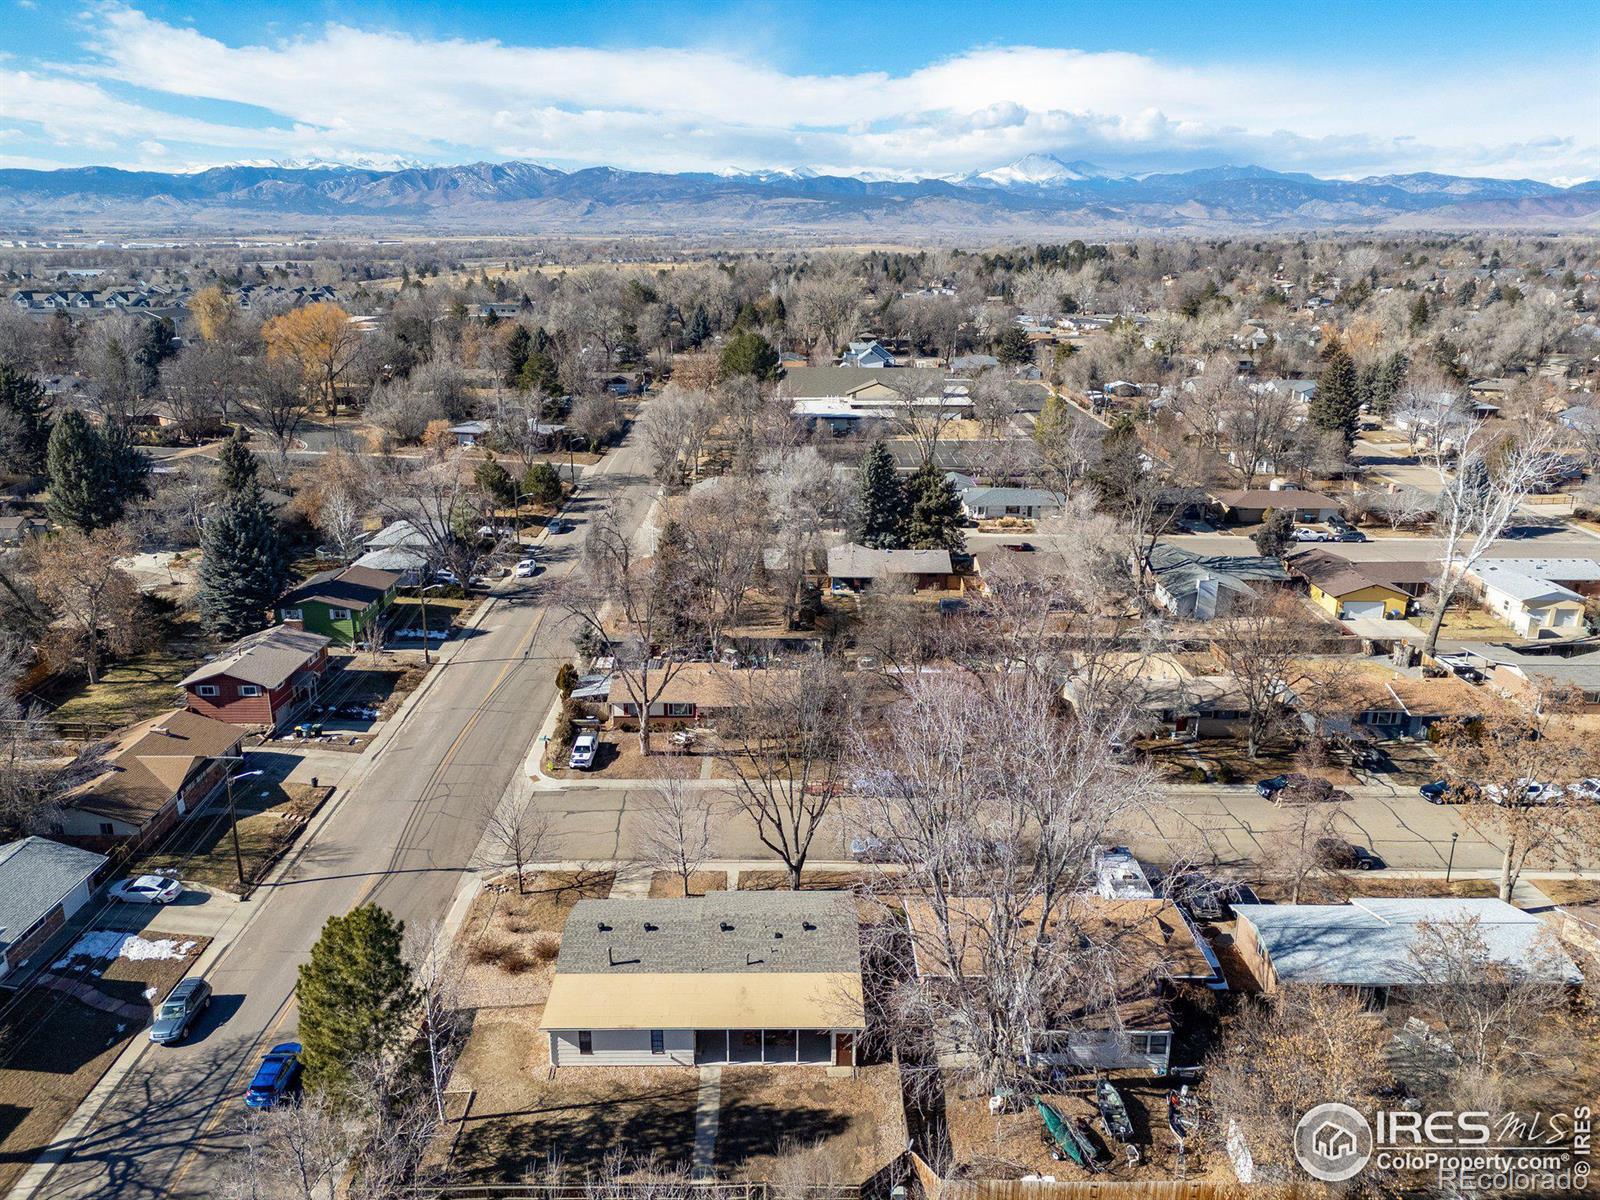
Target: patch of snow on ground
108	943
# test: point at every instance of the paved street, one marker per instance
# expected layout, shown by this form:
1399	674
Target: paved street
409	816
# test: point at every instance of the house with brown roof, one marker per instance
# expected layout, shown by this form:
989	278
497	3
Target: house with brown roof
1148	945
854	568
1250	505
1348	590
694	693
262	680
159	771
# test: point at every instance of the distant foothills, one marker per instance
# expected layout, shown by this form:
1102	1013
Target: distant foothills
1040	193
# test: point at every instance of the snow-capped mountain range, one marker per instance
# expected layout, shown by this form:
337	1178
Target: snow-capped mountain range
1037	193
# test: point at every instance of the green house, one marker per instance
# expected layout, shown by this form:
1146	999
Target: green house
341	604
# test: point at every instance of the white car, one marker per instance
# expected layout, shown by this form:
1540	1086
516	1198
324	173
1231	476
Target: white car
1526	792
527	568
1310	535
1586	789
147	889
583	752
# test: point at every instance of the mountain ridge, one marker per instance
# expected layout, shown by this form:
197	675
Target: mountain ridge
1039	191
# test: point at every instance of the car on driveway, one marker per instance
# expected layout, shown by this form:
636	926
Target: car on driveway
584	750
276	1077
1347	856
178	1011
147	889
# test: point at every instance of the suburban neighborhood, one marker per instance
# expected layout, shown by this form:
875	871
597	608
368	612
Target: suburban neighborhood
700	713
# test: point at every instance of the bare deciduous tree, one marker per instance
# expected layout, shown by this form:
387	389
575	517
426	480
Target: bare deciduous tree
96	603
675	828
523	833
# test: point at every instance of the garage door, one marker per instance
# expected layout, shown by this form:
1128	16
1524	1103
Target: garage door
1357	609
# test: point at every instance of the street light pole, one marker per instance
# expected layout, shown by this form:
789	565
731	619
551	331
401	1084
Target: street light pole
1450	865
233	814
422	595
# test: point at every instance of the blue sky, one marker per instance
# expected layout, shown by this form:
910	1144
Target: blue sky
933	88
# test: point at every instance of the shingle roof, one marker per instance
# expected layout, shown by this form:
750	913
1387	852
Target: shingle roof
1181	570
1369	942
1279	498
1337	576
36	874
852	561
823	383
355	587
721	933
151	761
266	658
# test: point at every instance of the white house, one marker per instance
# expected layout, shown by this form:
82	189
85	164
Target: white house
724	979
1538	597
991	503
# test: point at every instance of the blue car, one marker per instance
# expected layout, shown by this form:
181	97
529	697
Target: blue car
275	1077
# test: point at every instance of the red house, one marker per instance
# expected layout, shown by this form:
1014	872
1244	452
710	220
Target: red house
262	680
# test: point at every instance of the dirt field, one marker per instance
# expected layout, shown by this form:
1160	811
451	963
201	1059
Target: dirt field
810	881
54	1049
857	1123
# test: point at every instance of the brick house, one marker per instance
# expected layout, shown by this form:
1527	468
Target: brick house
262	680
42	883
159	771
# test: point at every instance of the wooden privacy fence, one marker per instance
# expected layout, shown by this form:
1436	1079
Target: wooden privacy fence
935	1188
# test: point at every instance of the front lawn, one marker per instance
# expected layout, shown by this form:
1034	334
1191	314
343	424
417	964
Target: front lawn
271	816
142	687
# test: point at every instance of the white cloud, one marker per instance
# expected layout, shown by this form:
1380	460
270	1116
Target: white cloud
346	91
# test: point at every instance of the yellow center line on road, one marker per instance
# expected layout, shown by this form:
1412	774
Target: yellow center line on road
288	1006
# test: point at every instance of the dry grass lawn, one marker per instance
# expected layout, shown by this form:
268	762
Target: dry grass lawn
522	1116
1569	891
271	816
1336	887
142	687
810	881
54	1049
857	1123
510	940
669	886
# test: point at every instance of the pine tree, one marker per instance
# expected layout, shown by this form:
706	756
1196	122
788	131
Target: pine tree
672	620
1338	402
80	488
518	346
127	468
1272	539
356	995
243	566
541	484
236	466
1419	313
881	512
936	512
699	327
1012	347
749	354
24	422
495	482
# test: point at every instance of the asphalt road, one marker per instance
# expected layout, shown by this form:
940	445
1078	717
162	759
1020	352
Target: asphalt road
1525	541
402	836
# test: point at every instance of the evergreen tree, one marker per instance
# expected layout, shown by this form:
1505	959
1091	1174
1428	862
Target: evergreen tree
518	346
540	374
80	487
127	468
674	622
495	482
1012	347
1272	539
881	512
1338	402
936	512
698	328
541	484
1419	313
24	422
356	995
749	354
243	566
236	466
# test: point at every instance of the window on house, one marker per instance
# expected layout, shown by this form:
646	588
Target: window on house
1383	718
675	709
107	829
292	614
1150	1043
207	689
338	614
585	1042
249	689
658	1041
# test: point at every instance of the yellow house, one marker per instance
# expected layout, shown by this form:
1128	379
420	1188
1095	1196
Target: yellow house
1345	593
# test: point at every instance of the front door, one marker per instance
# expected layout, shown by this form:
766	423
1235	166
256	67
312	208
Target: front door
844	1054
